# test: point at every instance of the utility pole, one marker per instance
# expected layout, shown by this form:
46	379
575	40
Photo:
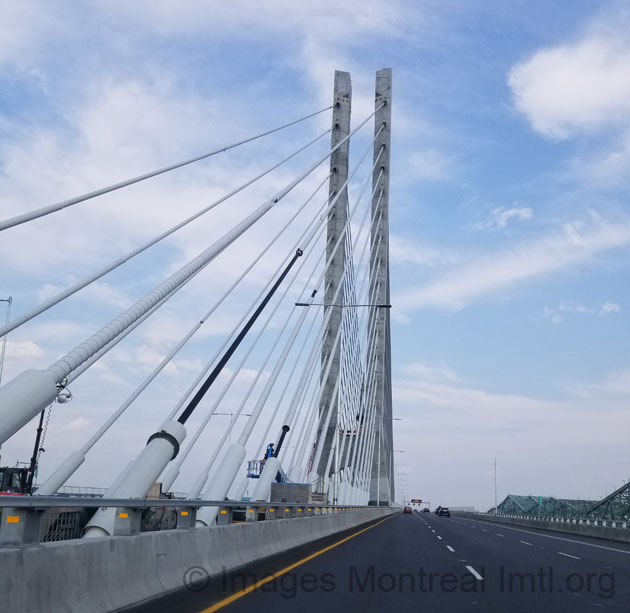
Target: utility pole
495	487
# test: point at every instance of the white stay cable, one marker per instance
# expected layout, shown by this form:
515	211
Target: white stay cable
31	391
65	365
304	384
20	219
219	351
362	423
203	475
58	478
261	445
200	429
97	356
370	410
79	285
354	397
322	433
293	405
251	422
355	423
307	430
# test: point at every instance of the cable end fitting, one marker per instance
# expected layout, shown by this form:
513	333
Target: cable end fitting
168	437
299	253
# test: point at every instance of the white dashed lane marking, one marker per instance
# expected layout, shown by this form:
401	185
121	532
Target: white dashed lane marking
569	556
473	572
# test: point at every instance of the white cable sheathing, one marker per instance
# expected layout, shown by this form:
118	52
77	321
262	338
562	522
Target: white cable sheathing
52	208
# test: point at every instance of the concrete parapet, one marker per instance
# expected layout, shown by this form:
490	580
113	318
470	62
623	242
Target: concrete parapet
585	529
103	574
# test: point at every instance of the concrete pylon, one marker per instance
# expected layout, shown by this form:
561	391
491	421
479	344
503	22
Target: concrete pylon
337	219
381	486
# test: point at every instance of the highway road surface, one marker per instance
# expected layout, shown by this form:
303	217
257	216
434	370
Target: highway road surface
421	562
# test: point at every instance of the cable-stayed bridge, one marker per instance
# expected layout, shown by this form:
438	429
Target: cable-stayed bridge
312	430
290	505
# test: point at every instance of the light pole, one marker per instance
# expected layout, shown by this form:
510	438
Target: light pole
495	486
378	480
402	491
9	301
400	481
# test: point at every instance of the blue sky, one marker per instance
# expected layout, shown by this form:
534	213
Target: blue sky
509	210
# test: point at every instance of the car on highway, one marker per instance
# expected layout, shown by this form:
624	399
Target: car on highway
407	510
425	510
444	512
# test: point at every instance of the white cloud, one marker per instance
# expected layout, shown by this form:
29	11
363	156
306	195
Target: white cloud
578	243
23	26
405	252
555	313
430	372
430	164
610	307
480	424
25	349
575	87
500	217
102	293
78	423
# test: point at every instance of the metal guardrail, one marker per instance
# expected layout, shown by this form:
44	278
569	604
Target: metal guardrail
35	519
602	523
42	502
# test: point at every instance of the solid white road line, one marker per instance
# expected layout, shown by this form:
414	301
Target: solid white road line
472	571
569	556
560	538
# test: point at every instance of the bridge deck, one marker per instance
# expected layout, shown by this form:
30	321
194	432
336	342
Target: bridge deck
420	561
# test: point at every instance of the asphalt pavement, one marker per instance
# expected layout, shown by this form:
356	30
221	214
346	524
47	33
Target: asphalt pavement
418	561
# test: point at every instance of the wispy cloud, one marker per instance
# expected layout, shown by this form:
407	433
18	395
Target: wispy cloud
610	307
577	243
403	251
24	349
429	164
439	371
556	313
499	217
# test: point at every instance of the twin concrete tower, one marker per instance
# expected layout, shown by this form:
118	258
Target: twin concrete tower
371	405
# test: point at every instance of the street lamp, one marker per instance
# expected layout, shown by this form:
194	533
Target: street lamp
378	480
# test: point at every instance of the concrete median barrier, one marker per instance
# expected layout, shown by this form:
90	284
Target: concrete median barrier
104	574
